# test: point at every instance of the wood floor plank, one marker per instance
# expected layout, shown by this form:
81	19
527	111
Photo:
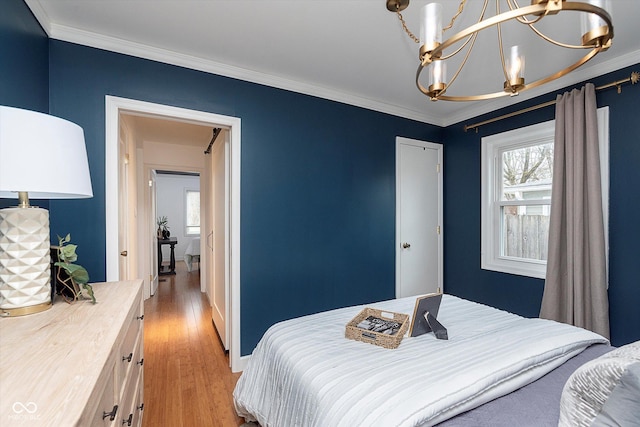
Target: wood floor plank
187	379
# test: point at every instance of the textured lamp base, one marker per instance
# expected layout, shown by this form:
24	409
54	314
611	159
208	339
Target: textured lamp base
23	311
25	278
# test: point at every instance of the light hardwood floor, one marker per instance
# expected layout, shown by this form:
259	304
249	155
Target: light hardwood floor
187	379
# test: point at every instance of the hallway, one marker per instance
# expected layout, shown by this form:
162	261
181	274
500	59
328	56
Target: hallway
187	379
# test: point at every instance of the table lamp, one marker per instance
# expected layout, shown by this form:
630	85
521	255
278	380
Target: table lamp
42	157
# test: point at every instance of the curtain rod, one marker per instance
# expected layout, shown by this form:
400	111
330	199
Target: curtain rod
633	78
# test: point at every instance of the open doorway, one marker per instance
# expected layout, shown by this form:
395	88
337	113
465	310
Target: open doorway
178	220
116	109
157	147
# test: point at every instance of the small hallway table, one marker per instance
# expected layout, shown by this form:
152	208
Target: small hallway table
172	242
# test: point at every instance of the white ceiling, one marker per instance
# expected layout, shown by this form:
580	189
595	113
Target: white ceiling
352	51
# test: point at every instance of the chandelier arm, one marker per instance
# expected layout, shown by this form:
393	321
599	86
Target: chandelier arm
522	19
565	71
528	10
475	28
525	21
425	91
454	53
555	42
510	3
464	61
500	46
537	83
508	83
421	88
579	7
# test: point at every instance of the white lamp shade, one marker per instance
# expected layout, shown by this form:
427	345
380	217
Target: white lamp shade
42	155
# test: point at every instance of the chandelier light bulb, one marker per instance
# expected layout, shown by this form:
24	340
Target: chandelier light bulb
515	64
593	26
438	72
437	78
431	28
514	68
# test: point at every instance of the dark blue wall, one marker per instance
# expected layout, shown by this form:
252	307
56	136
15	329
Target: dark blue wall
24	59
522	295
24	65
318	187
318	181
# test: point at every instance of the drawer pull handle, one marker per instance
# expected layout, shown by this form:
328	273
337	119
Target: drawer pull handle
140	317
140	362
127	358
128	421
111	415
141	407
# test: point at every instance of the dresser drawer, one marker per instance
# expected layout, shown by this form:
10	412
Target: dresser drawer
108	411
139	402
132	404
128	403
133	417
131	346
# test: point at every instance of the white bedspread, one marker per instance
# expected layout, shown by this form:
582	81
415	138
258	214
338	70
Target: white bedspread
304	372
192	253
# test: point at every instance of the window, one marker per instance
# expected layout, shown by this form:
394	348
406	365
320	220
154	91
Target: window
192	216
517	173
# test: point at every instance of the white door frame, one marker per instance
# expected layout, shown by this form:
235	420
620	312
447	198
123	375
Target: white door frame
434	146
113	107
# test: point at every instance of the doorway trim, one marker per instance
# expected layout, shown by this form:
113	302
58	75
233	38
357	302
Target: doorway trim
116	105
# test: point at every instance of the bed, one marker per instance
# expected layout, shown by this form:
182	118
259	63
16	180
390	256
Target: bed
192	253
304	372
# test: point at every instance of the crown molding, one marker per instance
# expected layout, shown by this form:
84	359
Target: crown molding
113	44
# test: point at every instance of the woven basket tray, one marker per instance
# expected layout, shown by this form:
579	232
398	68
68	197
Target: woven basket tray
353	332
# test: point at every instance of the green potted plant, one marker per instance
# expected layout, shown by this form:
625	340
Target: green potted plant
163	228
73	277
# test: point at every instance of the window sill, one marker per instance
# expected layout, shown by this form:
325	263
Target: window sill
519	268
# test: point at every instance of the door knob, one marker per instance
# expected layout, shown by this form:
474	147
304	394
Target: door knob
123	253
406	245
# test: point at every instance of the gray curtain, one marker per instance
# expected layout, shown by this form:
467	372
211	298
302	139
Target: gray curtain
575	289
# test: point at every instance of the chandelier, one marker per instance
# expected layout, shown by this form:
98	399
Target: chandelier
596	26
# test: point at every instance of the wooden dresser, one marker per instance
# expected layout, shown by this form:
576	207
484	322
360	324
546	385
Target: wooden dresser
75	365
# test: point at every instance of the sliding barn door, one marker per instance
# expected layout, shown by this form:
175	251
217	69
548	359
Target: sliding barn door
218	241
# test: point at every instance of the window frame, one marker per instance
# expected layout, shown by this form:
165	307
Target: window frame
492	148
186	213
